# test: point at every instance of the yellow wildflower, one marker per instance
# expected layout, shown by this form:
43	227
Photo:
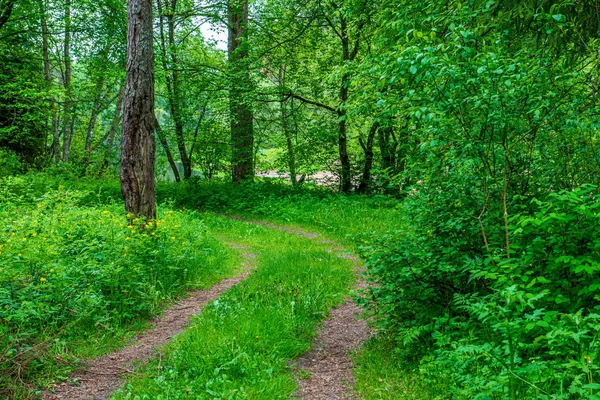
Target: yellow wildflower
42	279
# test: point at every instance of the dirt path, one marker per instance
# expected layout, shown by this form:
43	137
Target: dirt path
104	375
329	366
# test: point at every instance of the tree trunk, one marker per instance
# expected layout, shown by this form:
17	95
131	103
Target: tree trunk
138	148
163	141
346	178
242	133
92	124
285	125
5	12
67	118
169	52
110	137
365	179
55	146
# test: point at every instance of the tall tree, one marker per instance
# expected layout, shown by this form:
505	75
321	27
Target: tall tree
170	61
67	117
242	131
138	146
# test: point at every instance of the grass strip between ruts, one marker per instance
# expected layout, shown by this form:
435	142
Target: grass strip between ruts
241	344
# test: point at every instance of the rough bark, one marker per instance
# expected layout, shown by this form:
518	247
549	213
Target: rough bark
163	141
285	125
138	148
367	147
67	131
242	118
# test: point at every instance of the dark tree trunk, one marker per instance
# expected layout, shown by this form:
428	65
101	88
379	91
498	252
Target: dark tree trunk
242	133
68	119
367	147
169	55
387	147
346	178
92	124
285	126
163	141
138	146
55	146
5	11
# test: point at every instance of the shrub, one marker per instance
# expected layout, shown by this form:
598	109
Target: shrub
524	326
69	271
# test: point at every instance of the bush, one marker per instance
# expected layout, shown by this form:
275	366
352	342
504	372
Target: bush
70	271
524	326
10	164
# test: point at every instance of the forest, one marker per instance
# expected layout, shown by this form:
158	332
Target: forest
315	199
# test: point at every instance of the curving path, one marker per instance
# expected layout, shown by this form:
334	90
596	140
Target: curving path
104	375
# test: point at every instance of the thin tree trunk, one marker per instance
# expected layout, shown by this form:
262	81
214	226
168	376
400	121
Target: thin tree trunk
169	54
242	118
67	118
92	125
346	177
138	148
55	146
163	141
285	125
112	132
6	11
367	147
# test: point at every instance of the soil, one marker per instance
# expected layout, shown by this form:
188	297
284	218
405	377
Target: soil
102	376
325	373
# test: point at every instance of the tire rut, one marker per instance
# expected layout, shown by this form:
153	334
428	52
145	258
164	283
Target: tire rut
102	376
325	373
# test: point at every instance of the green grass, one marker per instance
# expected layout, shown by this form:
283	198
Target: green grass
240	346
264	372
77	282
381	374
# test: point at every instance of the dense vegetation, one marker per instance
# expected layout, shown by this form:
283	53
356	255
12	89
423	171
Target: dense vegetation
455	143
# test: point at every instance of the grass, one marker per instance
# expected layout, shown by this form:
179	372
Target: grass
241	344
76	281
381	374
221	354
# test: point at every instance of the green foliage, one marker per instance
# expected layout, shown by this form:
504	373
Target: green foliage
240	346
10	164
311	206
72	274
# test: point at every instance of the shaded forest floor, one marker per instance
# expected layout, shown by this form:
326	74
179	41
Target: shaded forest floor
244	341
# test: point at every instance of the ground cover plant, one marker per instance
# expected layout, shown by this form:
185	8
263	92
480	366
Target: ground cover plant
76	281
241	344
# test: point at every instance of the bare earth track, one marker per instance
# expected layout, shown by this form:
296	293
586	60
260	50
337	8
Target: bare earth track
104	375
328	365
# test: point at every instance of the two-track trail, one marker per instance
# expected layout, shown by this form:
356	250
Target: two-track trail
328	366
324	373
102	376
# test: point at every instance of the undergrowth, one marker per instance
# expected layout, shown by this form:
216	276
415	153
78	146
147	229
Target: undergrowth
240	346
76	280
